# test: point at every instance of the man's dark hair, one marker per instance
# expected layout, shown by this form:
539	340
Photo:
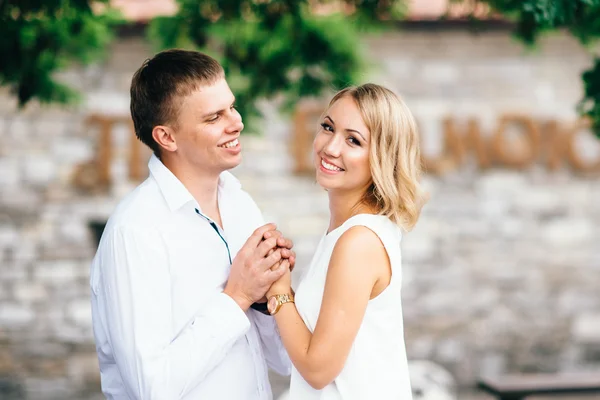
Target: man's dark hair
160	85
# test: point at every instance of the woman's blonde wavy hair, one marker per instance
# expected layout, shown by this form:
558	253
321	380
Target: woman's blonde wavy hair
395	155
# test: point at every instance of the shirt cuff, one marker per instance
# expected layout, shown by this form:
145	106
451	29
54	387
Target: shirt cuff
226	316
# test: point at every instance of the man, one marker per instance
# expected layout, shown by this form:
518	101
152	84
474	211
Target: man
184	256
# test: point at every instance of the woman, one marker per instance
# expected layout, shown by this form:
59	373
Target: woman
344	333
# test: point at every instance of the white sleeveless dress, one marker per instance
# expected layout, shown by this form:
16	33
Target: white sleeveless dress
377	366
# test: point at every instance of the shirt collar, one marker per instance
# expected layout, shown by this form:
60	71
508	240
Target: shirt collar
174	192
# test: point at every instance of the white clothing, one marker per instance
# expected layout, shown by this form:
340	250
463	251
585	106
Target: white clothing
377	366
163	328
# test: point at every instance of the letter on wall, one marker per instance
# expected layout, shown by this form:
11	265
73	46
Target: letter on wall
456	147
521	152
95	175
574	158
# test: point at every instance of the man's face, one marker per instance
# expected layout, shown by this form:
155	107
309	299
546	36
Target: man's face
208	129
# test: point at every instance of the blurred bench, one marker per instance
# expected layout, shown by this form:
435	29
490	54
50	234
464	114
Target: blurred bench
518	387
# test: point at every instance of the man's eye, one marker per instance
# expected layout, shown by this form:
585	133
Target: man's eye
213	119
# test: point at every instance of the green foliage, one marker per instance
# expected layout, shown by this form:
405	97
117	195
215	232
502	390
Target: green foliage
41	37
579	17
590	105
274	48
268	47
534	17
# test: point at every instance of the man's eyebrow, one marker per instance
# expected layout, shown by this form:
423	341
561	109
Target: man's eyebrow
216	111
348	130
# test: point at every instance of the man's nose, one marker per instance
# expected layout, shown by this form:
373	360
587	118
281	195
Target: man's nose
235	122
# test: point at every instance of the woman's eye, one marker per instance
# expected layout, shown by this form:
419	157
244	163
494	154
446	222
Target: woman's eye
353	140
327	127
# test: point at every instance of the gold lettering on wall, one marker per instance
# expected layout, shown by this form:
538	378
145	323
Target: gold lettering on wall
531	141
95	175
554	145
456	147
521	151
548	142
305	122
135	156
571	149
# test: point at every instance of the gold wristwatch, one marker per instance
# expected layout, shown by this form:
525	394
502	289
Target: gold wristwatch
277	300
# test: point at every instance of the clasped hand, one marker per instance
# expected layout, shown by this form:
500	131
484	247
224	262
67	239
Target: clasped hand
262	265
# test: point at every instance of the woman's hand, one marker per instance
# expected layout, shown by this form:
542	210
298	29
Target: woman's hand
288	261
283	285
285	245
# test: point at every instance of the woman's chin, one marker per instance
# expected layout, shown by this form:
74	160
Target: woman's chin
324	183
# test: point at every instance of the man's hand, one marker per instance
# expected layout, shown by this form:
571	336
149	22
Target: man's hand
251	271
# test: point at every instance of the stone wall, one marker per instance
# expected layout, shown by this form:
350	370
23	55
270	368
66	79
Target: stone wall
500	274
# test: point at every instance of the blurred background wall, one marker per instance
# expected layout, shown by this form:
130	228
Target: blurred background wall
501	273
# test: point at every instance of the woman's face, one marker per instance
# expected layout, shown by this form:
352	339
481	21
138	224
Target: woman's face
341	149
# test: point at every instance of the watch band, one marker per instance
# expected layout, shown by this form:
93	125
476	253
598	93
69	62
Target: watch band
261	307
277	300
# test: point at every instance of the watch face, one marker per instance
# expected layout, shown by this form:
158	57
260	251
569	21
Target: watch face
272	304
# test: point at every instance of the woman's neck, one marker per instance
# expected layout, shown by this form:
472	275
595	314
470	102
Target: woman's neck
345	205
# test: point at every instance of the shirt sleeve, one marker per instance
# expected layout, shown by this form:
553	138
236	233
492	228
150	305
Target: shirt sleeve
135	302
275	354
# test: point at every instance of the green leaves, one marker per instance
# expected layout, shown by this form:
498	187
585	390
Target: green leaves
590	105
283	49
277	48
40	38
534	17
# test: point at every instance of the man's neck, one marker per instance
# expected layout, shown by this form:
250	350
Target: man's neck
202	186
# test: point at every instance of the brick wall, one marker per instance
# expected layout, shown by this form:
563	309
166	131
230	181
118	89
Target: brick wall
500	274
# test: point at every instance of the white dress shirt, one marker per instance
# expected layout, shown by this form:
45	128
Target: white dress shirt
163	328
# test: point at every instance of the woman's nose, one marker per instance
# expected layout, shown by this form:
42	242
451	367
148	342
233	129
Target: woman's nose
333	146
